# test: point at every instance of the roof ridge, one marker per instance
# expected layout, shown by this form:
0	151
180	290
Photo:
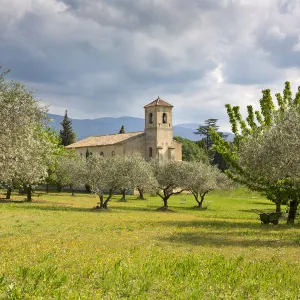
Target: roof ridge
115	134
158	102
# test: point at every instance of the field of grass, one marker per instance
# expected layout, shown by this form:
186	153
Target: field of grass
57	247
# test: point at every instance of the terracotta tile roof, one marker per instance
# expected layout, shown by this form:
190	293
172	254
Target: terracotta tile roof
158	102
104	140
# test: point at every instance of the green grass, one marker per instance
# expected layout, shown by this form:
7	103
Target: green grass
57	247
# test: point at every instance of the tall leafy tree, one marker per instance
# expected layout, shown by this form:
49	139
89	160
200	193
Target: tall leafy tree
255	124
273	156
191	151
38	155
67	134
25	147
204	130
206	143
60	150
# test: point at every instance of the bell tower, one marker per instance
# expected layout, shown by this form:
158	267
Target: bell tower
159	131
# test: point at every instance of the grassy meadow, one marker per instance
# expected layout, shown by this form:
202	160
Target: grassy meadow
57	247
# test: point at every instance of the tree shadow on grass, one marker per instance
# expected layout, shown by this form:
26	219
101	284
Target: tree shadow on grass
63	207
6	201
219	239
264	203
131	208
225	225
54	208
266	210
193	208
219	233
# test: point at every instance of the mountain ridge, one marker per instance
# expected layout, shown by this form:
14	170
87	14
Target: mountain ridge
111	125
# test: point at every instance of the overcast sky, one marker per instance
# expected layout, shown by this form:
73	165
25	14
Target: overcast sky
100	58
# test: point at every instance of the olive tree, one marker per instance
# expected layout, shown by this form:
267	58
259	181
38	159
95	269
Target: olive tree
171	179
24	145
143	176
256	122
110	174
34	157
273	156
95	170
69	170
20	115
203	178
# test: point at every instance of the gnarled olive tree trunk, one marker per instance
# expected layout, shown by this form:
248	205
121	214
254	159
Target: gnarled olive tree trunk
104	205
202	196
123	199
8	193
141	194
292	211
29	193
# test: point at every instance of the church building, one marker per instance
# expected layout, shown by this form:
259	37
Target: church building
155	141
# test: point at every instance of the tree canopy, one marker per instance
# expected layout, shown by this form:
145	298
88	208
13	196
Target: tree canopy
255	126
203	178
118	172
204	130
25	144
191	151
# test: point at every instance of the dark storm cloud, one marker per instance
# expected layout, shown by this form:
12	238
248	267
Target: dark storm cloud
174	16
110	57
281	52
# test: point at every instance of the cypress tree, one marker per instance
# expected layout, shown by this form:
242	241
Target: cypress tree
67	134
122	130
87	153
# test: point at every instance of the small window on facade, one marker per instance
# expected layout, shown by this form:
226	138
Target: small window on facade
164	118
113	153
150	152
101	154
150	118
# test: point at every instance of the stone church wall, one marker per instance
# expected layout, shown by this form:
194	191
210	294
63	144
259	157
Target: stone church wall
178	150
107	150
135	144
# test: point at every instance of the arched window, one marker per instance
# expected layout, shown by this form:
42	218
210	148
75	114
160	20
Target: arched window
150	151
150	118
113	153
164	118
101	153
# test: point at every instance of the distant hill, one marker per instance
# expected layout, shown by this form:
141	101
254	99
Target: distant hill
101	126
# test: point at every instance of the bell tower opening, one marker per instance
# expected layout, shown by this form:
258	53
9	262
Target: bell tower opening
164	118
150	118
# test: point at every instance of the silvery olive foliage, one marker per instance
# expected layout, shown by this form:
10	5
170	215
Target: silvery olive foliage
202	178
171	178
273	157
274	154
111	174
256	129
69	170
25	149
